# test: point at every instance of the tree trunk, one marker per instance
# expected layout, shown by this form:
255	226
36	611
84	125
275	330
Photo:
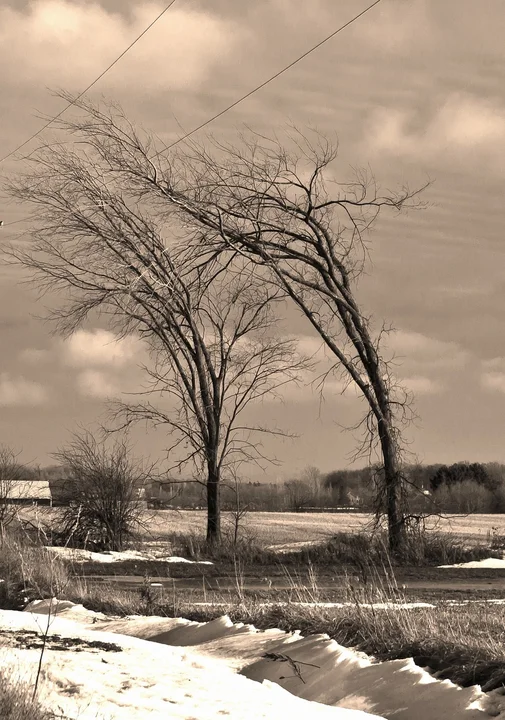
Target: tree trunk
393	488
213	507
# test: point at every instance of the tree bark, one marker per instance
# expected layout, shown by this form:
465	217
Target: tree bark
213	506
393	487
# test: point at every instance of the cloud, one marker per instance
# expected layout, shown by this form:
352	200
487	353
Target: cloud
493	374
17	391
96	384
462	123
414	349
398	26
100	347
63	43
493	381
421	385
34	356
312	347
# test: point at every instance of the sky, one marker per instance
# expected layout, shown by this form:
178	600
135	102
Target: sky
415	89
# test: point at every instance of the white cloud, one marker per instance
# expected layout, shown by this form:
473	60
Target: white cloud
62	43
398	26
16	391
416	349
33	356
96	384
494	364
421	385
493	374
493	381
464	122
100	347
312	347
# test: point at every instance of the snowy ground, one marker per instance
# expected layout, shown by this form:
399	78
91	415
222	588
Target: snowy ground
487	564
77	555
174	668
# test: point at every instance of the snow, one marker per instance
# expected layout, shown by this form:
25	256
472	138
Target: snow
326	605
146	679
283	548
78	555
175	668
487	564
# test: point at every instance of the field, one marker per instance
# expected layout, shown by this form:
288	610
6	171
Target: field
282	528
285	528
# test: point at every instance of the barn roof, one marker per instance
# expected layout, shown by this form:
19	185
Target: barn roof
30	490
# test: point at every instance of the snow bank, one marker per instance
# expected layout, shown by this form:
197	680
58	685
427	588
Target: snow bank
78	555
144	679
314	669
319	669
66	609
488	563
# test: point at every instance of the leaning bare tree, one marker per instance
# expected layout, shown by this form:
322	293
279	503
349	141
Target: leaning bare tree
274	209
104	235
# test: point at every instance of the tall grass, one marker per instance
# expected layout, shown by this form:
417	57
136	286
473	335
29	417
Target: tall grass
29	571
428	548
16	700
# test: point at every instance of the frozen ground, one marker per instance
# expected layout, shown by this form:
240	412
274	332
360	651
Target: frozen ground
77	555
487	564
174	668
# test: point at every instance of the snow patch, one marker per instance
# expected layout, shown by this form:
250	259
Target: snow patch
78	555
486	564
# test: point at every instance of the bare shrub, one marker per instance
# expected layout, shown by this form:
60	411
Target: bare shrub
11	472
107	488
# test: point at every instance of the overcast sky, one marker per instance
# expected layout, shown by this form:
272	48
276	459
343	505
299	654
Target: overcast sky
415	89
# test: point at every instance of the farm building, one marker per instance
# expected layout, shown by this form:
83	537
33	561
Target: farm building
29	492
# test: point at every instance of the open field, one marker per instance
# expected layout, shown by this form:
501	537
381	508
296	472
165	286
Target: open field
279	528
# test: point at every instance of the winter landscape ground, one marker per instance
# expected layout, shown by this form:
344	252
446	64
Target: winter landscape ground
151	632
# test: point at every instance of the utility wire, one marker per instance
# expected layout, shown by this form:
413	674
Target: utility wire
269	80
44	127
14	222
217	115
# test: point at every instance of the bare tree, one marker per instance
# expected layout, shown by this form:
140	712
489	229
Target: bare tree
274	209
104	237
300	495
11	473
107	487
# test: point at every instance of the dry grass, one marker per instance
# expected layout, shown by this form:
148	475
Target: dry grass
462	642
29	571
16	702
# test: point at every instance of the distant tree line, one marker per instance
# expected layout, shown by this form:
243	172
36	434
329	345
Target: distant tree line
462	487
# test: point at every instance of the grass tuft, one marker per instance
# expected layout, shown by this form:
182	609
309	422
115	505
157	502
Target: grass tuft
16	701
422	549
28	571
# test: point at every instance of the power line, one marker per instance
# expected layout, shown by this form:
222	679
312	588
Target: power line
270	79
217	115
44	127
14	222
